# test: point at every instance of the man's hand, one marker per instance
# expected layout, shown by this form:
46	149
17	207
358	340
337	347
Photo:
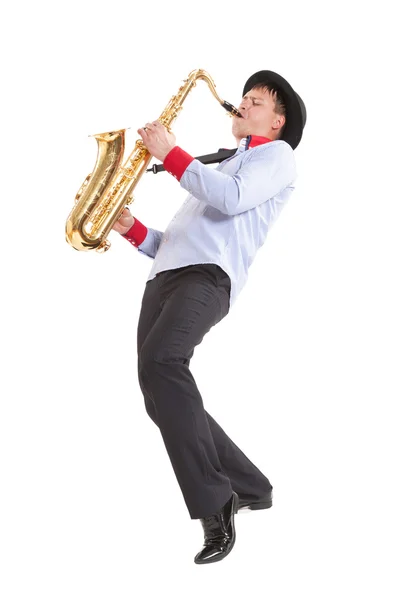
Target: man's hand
157	139
124	223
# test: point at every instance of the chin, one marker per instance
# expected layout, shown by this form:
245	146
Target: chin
238	132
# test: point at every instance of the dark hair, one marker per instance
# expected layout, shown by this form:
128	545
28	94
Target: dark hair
280	105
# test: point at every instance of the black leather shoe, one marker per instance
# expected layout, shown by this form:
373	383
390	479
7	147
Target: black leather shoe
219	533
265	502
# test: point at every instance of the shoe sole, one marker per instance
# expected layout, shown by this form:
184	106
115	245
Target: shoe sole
256	505
222	556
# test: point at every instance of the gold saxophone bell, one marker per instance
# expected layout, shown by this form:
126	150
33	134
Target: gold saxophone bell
104	194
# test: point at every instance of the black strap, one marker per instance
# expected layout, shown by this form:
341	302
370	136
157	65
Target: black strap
206	159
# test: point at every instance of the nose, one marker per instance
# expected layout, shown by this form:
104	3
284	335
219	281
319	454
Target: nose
244	105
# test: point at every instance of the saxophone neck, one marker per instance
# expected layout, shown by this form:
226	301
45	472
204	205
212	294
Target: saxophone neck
175	104
201	74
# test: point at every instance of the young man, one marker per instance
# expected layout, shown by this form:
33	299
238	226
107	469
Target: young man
200	265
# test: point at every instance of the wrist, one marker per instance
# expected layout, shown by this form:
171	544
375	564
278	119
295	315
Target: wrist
129	227
164	156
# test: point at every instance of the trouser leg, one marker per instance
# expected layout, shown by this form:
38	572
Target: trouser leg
174	319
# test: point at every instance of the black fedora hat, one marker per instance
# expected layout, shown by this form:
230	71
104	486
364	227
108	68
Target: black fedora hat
296	114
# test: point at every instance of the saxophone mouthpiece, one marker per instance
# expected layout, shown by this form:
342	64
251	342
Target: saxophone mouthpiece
230	108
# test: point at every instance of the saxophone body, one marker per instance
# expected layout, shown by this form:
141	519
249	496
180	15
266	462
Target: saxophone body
104	194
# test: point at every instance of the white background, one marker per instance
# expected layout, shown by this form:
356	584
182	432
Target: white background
303	372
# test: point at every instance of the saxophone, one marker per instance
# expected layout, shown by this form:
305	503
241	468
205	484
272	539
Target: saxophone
104	194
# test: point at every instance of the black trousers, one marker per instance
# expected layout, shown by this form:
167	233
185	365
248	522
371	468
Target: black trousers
179	307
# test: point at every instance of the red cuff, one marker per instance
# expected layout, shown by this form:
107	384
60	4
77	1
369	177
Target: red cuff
177	161
136	234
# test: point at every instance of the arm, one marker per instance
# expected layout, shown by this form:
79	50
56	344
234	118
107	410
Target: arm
145	239
268	171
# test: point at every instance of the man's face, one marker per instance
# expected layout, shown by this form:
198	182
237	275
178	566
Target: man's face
259	118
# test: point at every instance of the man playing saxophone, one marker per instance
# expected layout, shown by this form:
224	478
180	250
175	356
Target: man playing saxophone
200	265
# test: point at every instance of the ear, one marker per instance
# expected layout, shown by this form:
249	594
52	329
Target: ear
279	121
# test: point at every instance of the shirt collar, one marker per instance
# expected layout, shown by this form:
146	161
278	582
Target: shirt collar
251	141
